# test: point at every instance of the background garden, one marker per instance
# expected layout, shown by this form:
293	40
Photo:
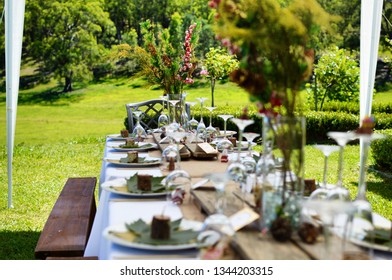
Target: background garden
74	91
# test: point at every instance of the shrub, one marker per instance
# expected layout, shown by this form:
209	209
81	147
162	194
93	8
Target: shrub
336	77
382	151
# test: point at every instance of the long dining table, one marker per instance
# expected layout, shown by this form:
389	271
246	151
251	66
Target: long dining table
114	210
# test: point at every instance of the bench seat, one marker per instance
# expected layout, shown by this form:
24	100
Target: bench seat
69	224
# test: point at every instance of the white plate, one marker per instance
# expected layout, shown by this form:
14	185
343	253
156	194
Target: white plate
228	133
133	164
185	224
379	222
116	137
371	246
140	148
110	185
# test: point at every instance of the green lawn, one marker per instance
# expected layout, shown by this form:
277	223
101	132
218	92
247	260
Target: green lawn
64	137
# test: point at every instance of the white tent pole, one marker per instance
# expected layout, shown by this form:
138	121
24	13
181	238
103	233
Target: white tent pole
371	12
14	20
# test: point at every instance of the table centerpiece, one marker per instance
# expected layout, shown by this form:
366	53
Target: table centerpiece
171	61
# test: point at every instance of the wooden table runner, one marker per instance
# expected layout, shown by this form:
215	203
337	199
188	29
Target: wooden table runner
249	243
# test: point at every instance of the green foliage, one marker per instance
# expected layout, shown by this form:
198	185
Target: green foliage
67	37
382	151
126	60
218	64
272	40
336	77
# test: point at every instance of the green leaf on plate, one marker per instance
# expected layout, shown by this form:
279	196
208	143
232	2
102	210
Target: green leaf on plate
381	236
177	236
139	227
156	185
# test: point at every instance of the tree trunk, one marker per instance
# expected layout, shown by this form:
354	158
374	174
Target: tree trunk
68	84
212	92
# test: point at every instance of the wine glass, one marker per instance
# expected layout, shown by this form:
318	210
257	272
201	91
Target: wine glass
241	124
322	191
192	122
177	180
338	191
250	137
362	218
163	119
210	130
138	130
219	221
169	158
333	215
225	144
177	136
201	127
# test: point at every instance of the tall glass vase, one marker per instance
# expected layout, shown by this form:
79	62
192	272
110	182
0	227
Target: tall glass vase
284	140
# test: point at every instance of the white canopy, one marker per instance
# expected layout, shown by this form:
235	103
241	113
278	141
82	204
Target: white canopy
14	20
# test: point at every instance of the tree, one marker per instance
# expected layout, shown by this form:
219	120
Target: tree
66	37
218	65
120	12
336	77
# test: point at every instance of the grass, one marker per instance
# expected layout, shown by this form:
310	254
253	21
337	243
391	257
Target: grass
63	136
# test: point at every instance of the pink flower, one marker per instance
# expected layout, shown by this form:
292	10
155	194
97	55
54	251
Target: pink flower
204	72
189	81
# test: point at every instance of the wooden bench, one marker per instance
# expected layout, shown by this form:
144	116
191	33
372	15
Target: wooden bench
68	227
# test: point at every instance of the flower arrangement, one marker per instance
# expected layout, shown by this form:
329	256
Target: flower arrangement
171	65
272	40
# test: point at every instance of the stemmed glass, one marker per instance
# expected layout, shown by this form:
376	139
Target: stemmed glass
217	230
201	127
210	130
236	169
328	212
219	221
342	138
250	163
322	191
177	180
163	119
362	218
138	130
177	136
225	143
241	124
192	122
250	137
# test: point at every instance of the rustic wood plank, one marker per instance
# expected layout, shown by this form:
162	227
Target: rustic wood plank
69	224
248	242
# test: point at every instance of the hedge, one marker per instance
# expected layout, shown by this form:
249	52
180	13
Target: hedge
318	124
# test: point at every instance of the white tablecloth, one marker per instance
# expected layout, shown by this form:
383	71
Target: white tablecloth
116	210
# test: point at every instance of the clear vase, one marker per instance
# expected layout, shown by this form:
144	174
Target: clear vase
283	143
